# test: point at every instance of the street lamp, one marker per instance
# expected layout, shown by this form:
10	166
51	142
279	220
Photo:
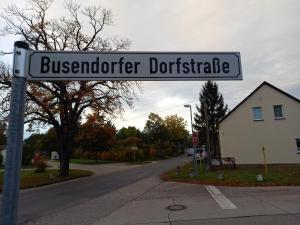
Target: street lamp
189	106
194	147
207	136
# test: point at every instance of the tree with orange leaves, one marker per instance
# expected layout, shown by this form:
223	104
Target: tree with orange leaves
96	135
61	104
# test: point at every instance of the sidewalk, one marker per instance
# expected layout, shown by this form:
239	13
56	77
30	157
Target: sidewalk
147	201
201	208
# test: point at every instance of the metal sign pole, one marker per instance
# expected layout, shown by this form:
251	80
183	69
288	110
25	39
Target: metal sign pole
196	174
207	135
14	137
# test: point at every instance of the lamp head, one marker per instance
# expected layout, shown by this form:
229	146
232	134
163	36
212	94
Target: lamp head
187	105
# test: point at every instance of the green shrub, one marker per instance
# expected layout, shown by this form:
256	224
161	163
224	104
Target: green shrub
1	158
77	153
27	155
40	166
139	155
152	152
104	155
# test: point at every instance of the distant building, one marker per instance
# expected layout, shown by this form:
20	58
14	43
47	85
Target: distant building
3	152
54	156
268	117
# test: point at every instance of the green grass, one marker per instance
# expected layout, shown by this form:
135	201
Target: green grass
31	179
23	167
286	175
89	161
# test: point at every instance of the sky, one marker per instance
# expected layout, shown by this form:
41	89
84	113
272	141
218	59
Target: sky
265	32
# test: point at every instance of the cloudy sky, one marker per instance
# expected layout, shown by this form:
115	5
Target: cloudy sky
265	32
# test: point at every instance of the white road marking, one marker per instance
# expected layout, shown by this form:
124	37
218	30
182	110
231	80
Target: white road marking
223	202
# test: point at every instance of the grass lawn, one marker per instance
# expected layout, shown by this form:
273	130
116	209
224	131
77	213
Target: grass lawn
90	161
286	175
31	179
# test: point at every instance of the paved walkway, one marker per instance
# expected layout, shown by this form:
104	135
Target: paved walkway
253	206
146	201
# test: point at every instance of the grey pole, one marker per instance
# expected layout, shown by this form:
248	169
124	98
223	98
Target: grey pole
191	119
194	155
8	213
195	165
207	135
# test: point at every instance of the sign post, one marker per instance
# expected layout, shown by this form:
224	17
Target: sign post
195	139
134	149
13	159
195	143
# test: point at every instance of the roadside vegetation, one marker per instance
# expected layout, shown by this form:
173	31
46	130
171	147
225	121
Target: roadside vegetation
30	178
99	142
285	175
210	111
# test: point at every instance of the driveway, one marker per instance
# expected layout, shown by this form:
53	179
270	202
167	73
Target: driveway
98	169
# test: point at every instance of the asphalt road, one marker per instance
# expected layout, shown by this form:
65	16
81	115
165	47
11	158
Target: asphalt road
52	199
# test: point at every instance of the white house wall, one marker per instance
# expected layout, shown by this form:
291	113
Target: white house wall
243	138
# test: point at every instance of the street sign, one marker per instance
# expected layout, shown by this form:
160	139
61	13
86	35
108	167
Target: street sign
112	66
195	139
93	65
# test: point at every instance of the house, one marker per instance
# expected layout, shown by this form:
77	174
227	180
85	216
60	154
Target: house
3	153
268	117
54	156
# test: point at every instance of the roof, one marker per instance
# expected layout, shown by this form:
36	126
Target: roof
256	89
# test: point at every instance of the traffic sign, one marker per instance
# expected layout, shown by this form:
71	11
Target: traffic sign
195	139
93	65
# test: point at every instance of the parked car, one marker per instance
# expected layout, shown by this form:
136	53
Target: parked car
190	152
199	151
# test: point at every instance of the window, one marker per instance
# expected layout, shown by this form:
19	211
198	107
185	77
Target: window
298	145
257	115
278	113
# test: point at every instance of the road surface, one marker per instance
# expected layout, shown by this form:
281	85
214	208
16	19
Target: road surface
49	200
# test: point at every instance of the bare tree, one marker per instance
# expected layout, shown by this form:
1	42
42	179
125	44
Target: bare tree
62	103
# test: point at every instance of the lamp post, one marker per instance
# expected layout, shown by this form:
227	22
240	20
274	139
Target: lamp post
208	164
194	147
189	106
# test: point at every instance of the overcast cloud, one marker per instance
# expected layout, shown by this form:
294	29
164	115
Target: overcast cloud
267	33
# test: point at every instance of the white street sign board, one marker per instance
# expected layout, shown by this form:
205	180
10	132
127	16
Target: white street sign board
68	65
134	148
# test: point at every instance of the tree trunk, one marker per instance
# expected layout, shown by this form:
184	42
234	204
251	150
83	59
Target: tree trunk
96	156
64	159
66	144
64	169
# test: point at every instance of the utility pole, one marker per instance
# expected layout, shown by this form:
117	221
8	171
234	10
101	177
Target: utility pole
195	164
207	135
